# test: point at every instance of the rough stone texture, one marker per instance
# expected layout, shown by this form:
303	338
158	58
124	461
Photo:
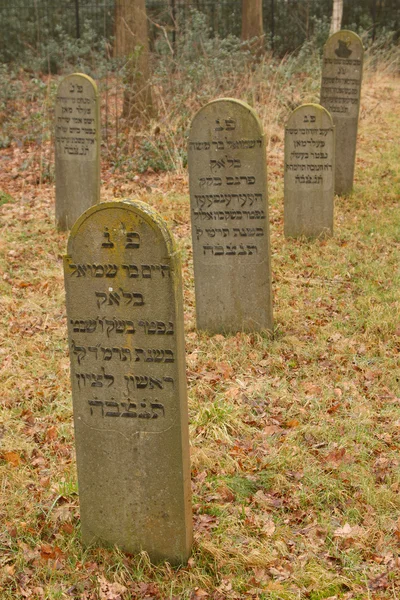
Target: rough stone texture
340	95
309	172
229	214
125	327
77	148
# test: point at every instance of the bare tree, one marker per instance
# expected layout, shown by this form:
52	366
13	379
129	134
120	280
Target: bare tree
337	13
131	42
252	21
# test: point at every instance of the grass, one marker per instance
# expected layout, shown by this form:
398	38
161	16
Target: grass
294	439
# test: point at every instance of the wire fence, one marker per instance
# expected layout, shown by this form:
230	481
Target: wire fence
287	23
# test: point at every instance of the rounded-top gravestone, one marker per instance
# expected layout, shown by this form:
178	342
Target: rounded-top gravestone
229	215
340	94
309	172
77	148
125	329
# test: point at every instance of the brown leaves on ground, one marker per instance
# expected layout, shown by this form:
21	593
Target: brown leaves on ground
204	524
295	477
48	552
348	532
110	591
337	457
12	458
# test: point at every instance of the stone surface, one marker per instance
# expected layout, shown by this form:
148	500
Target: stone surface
340	95
77	148
125	329
229	215
309	172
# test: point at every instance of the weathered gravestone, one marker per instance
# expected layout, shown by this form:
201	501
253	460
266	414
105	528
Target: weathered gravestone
229	214
340	95
309	172
77	148
125	328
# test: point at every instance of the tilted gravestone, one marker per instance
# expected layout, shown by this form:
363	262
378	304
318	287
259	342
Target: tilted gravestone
340	95
309	172
125	329
77	148
229	215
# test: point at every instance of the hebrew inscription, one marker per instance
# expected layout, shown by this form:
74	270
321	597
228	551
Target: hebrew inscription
125	328
340	95
77	148
309	172
76	120
229	213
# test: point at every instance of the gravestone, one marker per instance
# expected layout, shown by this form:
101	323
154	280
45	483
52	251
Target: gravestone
229	215
125	329
340	95
77	148
309	172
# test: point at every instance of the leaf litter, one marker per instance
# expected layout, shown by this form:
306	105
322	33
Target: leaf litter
294	439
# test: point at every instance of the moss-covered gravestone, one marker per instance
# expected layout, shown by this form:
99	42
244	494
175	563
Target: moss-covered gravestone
77	148
340	95
229	215
309	172
125	329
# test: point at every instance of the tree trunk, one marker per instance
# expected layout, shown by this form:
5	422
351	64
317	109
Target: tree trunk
131	41
252	22
337	13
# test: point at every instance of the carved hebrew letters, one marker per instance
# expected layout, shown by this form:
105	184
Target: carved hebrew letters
229	213
309	172
340	94
125	328
75	102
77	148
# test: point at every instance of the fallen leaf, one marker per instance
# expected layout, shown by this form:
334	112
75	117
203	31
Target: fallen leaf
28	554
9	570
61	513
379	583
267	525
51	434
226	494
199	593
266	500
348	531
261	575
12	458
67	528
292	423
271	429
48	552
205	522
311	389
336	456
369	375
333	408
111	591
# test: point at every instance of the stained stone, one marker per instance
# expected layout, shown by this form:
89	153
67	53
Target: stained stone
309	172
125	328
77	148
340	95
229	216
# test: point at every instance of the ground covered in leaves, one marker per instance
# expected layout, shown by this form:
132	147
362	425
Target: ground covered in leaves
295	438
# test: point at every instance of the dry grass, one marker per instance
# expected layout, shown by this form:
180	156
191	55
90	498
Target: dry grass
295	440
